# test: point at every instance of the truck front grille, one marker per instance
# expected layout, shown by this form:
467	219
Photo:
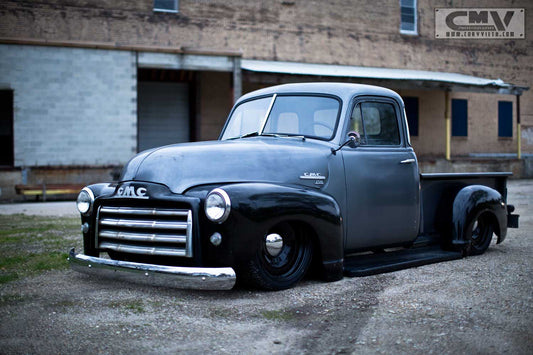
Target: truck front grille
146	231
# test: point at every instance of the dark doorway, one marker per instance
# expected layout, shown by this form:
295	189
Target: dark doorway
164	107
6	128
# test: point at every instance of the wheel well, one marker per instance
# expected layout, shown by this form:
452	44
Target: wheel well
493	221
309	232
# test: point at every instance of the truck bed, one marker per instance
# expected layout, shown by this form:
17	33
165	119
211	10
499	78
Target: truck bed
438	192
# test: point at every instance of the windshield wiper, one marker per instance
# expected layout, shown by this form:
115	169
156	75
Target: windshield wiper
251	134
256	134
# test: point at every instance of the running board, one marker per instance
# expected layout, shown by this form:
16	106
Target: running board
372	264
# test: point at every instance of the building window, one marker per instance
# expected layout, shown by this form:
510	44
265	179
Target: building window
6	128
166	5
411	111
459	118
505	119
408	17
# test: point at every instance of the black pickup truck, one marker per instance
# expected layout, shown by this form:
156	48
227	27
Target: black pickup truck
317	175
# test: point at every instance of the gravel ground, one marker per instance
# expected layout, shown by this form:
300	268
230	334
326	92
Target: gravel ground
481	304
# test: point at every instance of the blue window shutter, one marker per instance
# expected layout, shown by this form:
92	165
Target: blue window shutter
505	119
459	118
411	110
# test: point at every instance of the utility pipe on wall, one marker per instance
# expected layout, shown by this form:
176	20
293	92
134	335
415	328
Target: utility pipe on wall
448	119
518	128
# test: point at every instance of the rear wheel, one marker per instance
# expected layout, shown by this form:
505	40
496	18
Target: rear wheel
282	259
480	234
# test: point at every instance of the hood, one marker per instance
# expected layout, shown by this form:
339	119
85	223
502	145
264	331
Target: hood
258	159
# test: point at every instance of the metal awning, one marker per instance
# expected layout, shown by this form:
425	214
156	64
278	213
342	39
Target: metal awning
402	77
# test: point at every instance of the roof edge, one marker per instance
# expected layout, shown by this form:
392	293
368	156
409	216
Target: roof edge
454	80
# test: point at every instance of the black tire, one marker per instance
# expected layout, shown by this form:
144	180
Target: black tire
284	270
480	234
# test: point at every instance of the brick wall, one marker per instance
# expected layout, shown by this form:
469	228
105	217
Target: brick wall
71	106
482	124
314	31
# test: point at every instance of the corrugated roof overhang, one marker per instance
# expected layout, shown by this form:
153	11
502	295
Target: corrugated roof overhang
403	78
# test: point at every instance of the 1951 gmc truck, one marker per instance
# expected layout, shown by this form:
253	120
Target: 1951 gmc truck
318	174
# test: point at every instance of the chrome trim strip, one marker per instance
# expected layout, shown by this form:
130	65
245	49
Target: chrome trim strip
407	161
128	223
143	250
188	237
97	227
141	237
317	177
115	231
196	278
145	211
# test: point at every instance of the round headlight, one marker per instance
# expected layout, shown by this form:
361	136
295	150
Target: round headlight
85	201
217	205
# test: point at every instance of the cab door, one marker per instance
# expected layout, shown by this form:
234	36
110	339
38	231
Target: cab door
382	178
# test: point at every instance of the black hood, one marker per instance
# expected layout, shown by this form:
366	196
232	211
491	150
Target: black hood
258	159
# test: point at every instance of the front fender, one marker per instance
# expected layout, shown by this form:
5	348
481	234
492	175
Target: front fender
257	207
471	202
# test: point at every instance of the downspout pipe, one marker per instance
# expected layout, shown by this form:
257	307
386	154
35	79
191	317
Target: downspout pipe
518	128
448	119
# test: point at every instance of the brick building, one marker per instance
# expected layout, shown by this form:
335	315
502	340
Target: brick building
86	84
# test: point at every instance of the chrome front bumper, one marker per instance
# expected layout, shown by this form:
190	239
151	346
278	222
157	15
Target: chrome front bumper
195	278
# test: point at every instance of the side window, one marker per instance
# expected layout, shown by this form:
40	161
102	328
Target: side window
356	123
376	122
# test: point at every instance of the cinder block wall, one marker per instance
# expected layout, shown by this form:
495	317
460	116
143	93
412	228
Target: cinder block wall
72	107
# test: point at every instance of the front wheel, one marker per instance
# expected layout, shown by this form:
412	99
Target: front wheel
481	235
282	259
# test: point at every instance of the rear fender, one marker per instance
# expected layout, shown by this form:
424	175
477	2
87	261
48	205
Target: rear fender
469	204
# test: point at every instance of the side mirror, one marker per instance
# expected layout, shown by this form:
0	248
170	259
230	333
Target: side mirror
354	140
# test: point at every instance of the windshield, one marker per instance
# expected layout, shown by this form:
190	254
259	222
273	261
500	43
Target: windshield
294	115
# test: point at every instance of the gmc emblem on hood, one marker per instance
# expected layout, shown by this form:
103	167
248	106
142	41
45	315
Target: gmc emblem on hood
131	191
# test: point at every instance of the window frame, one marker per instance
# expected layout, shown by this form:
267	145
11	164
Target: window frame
400	120
174	11
413	32
274	97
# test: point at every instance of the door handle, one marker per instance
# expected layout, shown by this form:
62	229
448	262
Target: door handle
407	161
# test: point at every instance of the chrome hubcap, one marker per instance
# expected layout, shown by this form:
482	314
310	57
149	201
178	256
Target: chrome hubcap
274	244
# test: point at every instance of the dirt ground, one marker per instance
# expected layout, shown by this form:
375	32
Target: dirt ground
476	305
